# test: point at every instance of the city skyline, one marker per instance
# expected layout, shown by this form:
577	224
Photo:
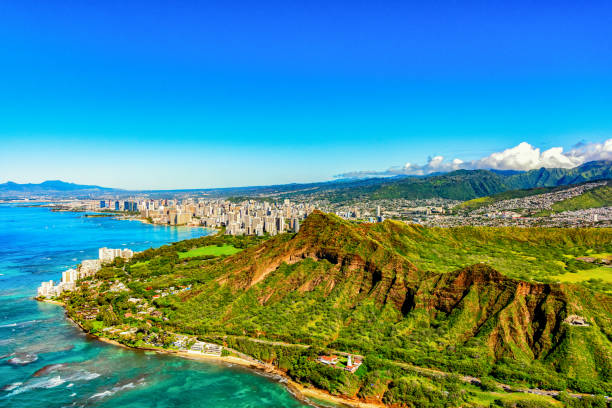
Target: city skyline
159	96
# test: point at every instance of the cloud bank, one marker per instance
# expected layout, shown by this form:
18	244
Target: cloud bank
520	157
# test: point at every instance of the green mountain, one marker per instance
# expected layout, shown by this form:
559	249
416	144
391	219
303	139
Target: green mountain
467	184
445	300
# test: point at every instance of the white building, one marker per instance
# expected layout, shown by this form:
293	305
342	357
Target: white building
89	267
108	255
46	289
70	276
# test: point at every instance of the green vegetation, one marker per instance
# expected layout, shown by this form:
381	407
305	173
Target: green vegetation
476	203
417	303
595	198
461	184
213	250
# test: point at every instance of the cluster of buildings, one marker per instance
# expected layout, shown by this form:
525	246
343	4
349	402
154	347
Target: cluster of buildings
255	217
379	210
539	202
108	255
87	268
185	343
249	217
266	216
352	362
590	217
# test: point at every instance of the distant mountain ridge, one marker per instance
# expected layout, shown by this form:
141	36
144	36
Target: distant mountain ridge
468	184
456	185
49	186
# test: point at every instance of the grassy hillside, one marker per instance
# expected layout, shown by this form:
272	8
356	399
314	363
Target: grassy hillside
214	250
476	203
402	296
595	198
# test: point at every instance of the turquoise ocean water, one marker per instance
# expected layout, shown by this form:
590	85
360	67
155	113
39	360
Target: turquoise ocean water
46	362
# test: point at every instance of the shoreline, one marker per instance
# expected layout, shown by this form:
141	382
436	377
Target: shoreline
145	221
299	391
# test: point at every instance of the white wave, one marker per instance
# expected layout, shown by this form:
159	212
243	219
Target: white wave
116	389
15	324
73	394
54	382
46	383
23	359
103	394
83	376
12	386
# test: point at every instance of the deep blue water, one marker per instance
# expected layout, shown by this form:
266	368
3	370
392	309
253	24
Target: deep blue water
47	362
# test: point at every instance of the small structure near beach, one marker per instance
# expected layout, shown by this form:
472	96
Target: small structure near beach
351	364
210	349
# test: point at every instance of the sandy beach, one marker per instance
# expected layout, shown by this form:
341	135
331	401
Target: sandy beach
299	391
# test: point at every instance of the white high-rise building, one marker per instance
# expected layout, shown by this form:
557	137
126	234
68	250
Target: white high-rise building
89	267
109	254
70	276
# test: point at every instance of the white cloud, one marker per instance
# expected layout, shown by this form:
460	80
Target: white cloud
520	157
526	157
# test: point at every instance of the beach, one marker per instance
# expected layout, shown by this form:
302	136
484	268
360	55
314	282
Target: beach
299	391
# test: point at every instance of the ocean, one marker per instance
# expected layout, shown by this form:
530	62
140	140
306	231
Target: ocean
45	361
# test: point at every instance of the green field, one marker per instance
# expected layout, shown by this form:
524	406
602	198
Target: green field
604	273
209	250
139	264
485	399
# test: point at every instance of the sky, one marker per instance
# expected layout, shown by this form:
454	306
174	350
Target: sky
195	94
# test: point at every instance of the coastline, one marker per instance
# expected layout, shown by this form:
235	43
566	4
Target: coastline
299	391
54	302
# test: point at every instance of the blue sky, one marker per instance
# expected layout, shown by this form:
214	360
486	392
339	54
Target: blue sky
203	94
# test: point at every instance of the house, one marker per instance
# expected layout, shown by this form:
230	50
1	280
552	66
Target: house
352	364
329	360
198	347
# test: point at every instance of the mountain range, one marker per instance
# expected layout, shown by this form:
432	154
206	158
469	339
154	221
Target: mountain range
477	301
465	184
457	185
50	186
371	289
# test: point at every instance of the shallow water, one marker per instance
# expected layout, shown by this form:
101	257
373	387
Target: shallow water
47	362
